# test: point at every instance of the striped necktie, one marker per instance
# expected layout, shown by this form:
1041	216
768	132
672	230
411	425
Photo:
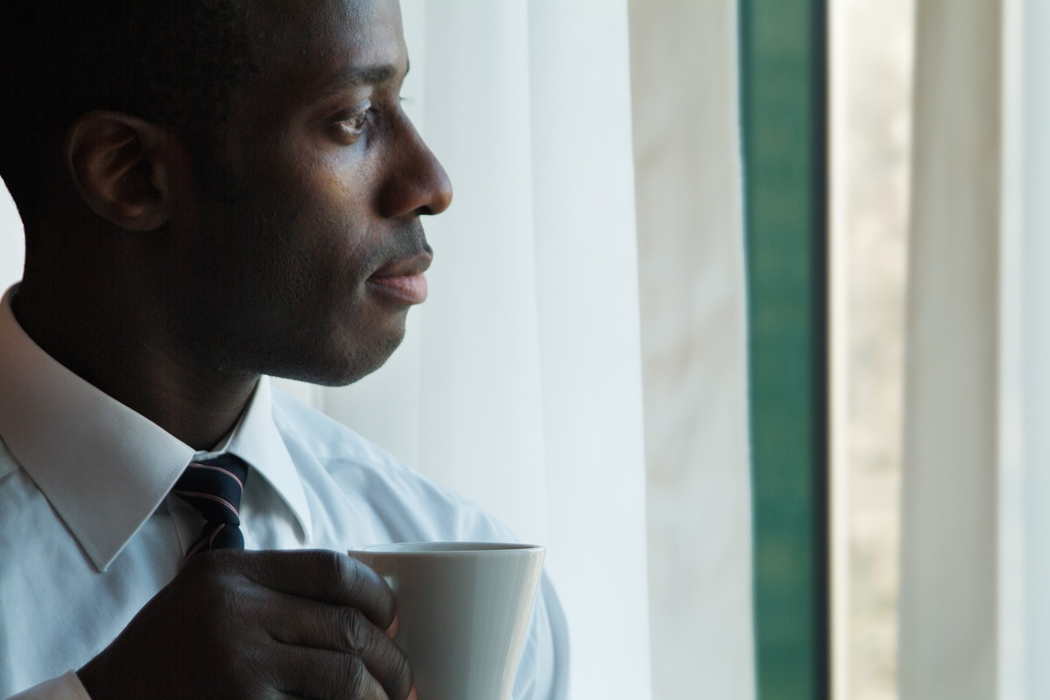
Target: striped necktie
214	488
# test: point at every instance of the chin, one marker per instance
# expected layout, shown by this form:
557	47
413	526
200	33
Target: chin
336	353
341	363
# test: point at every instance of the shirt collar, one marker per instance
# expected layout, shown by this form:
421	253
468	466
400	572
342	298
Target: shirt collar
257	441
103	467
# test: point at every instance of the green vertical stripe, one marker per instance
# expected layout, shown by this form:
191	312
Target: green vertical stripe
784	108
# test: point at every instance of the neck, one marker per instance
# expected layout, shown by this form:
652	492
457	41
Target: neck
112	336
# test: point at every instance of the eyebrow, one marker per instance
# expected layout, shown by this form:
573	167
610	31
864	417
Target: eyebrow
353	76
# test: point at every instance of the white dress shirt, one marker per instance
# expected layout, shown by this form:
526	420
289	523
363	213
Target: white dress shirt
89	532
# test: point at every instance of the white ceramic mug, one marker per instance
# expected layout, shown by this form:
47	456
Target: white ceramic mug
463	610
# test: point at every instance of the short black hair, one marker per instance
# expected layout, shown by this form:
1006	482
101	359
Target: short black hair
176	63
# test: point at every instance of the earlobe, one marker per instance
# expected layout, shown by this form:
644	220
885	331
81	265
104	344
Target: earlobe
121	167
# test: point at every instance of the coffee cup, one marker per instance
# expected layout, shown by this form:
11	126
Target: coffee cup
463	611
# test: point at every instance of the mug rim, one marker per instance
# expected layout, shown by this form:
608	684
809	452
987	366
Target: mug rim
447	548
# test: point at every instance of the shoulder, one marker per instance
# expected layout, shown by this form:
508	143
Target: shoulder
26	515
31	532
408	505
20	497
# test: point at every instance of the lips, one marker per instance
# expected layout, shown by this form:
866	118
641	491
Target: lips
411	289
403	281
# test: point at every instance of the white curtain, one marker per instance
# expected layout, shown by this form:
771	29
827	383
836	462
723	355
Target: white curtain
690	237
1025	355
975	610
948	550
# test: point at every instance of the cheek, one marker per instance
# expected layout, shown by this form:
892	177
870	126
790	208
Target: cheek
333	225
329	244
304	242
314	267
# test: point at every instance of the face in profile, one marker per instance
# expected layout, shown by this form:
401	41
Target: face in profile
304	260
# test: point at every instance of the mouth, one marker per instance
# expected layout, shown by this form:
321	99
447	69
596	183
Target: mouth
403	281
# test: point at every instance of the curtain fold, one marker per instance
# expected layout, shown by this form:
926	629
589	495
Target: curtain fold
691	251
1024	572
948	543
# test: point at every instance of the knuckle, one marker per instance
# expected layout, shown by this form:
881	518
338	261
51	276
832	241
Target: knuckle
342	573
358	639
255	662
385	601
352	630
353	676
400	670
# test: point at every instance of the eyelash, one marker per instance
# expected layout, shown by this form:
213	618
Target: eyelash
356	122
353	126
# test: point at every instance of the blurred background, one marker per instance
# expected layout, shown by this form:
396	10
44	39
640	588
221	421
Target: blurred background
742	310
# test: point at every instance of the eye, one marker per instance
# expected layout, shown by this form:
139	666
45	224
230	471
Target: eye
356	121
350	125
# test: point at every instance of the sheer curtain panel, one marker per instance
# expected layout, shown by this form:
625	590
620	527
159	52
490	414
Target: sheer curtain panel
1024	392
691	248
975	612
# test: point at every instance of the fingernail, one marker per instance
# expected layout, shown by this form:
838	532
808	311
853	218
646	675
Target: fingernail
413	695
392	629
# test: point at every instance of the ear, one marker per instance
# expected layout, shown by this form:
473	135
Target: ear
122	167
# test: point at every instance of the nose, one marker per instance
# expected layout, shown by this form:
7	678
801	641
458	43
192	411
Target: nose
416	184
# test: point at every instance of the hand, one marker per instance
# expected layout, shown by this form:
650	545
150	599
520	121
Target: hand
243	625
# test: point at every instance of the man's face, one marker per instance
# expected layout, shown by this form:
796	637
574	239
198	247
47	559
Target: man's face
306	262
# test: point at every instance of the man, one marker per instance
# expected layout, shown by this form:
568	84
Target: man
212	191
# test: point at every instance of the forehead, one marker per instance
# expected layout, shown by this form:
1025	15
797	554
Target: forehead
307	44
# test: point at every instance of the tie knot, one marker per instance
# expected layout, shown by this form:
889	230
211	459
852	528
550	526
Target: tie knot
214	487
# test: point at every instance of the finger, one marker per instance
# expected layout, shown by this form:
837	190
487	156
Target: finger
306	623
321	575
326	675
